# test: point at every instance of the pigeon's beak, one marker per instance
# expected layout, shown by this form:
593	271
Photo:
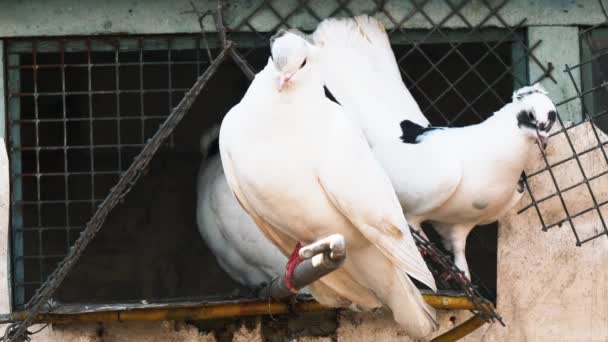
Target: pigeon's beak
283	81
541	139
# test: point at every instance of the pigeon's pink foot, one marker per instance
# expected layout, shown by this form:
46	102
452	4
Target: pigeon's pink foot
292	263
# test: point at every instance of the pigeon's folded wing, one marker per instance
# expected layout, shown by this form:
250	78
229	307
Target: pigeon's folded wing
359	188
285	243
424	175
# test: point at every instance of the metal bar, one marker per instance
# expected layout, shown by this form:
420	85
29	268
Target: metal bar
71	173
101	44
3	101
75	147
65	150
34	228
125	183
102	92
91	135
101	64
94	200
37	153
170	86
211	311
462	330
14	112
86	119
3	125
142	107
117	115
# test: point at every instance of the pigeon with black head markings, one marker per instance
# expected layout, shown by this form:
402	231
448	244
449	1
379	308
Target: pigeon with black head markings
454	178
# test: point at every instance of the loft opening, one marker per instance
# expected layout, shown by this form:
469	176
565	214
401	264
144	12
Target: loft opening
80	109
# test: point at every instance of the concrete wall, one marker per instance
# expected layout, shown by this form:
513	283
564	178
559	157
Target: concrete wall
89	17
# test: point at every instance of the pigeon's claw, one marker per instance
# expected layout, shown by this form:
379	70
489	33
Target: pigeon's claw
521	184
292	263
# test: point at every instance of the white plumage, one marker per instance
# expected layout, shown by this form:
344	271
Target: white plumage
237	243
303	171
457	177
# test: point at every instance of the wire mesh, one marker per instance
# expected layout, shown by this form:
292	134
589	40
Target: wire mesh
568	187
80	111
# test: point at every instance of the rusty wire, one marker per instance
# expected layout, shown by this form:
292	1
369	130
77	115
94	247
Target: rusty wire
444	269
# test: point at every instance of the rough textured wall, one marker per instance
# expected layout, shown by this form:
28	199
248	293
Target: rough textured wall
47	18
548	289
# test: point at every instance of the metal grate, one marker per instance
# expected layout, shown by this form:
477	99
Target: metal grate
79	111
569	186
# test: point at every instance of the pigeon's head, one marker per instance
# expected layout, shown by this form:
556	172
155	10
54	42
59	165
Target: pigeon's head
290	52
535	111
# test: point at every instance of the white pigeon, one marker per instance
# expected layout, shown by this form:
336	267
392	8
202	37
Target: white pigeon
303	171
238	245
455	178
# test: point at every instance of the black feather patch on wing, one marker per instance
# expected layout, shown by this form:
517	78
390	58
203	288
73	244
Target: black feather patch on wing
411	131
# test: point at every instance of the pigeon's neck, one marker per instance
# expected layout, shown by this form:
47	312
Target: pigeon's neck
303	89
504	118
503	126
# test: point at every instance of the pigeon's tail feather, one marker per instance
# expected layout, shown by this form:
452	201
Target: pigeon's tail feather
360	70
209	139
409	309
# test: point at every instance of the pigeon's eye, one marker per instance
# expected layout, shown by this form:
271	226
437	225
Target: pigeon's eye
303	63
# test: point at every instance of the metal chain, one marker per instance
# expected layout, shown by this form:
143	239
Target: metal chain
443	262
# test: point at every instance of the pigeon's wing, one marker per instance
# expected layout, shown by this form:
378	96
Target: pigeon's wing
356	184
285	243
360	70
424	175
240	247
336	283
